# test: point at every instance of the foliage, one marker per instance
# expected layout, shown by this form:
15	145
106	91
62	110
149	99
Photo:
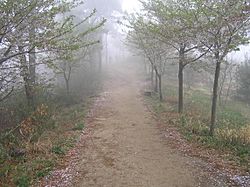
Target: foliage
27	41
38	121
45	134
196	31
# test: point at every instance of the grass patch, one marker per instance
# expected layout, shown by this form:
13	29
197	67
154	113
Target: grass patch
78	127
47	133
232	132
48	137
22	181
57	149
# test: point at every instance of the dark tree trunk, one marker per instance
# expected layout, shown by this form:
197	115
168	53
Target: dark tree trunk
224	77
67	79
180	78
152	76
158	83
32	70
66	83
106	48
67	86
229	88
100	60
221	92
92	60
145	65
215	96
156	80
32	58
29	93
160	87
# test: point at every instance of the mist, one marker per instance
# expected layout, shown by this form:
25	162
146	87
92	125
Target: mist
124	93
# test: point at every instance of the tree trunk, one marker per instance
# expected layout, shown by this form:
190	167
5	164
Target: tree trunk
100	60
32	69
25	73
32	57
180	78
160	87
229	88
152	76
145	65
220	93
66	82
156	80
29	93
106	48
92	60
224	77
215	96
67	77
67	86
158	83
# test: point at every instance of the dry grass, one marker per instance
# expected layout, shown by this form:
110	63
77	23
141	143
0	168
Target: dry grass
234	136
45	139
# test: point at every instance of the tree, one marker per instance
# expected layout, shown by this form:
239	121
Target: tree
154	51
77	45
198	28
14	15
174	23
224	27
107	9
32	28
24	32
68	62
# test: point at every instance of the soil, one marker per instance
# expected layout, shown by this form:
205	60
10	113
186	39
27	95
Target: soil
122	145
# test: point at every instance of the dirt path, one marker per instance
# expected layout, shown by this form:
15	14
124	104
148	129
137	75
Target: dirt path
126	148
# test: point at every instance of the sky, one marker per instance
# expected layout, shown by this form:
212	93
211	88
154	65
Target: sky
130	5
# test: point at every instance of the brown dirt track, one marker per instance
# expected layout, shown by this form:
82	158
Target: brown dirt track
124	147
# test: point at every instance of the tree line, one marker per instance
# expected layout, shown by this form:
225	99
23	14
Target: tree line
35	33
187	33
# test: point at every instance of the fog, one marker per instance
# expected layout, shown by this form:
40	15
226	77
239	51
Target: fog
127	70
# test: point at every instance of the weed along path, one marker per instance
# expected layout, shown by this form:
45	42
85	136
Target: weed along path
124	148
